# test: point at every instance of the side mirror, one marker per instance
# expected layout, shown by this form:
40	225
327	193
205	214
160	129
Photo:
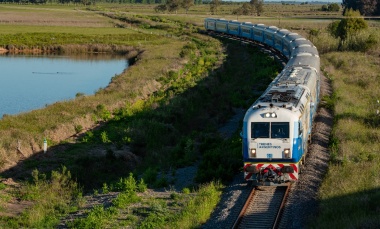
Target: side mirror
241	134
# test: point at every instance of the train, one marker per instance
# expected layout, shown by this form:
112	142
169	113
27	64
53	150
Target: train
277	127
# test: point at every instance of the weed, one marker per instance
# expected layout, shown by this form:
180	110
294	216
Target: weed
105	188
141	186
186	191
104	137
126	184
329	101
2	186
124	199
96	218
78	128
51	197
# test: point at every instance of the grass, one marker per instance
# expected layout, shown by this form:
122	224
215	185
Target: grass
351	186
52	197
51	29
183	85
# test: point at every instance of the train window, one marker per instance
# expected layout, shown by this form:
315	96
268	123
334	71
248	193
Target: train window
221	26
260	129
233	28
245	30
266	129
277	41
268	36
257	34
279	130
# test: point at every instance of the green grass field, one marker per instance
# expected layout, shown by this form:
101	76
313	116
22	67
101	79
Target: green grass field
181	85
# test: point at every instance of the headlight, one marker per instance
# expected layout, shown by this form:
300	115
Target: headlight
252	153
287	153
270	115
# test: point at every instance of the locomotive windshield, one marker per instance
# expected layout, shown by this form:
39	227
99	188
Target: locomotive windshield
269	130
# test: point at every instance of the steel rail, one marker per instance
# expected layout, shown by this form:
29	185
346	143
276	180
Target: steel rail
263	207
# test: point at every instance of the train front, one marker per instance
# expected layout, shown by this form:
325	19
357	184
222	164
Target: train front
271	145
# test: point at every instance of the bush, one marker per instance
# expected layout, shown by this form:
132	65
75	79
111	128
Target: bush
126	184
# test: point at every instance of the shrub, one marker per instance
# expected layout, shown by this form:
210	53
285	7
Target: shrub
126	184
52	197
124	199
141	186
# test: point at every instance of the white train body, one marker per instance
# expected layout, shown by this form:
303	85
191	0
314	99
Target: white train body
277	126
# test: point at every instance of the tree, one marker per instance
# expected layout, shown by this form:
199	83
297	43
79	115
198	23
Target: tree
348	27
214	4
257	7
331	7
366	7
186	4
334	7
160	8
352	24
173	5
245	9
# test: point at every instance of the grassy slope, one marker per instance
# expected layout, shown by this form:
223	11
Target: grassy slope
59	125
350	190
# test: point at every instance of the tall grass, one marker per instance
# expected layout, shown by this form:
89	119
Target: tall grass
51	196
351	186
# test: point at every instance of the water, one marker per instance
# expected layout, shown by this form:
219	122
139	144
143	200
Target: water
32	82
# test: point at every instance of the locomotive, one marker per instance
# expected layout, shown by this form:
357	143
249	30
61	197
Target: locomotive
277	126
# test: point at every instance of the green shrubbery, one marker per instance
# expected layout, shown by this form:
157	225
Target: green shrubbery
53	195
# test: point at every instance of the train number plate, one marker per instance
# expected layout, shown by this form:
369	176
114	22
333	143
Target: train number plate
269	155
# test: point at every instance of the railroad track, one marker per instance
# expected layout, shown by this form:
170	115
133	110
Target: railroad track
263	207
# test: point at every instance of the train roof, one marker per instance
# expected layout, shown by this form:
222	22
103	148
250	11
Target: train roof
305	48
234	22
295	76
282	32
272	28
260	26
292	36
305	59
280	95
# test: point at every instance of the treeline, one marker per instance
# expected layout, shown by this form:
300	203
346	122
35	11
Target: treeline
334	7
89	2
365	7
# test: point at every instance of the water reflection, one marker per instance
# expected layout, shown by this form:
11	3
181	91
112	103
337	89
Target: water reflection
31	82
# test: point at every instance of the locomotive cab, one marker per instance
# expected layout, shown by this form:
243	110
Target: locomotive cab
276	129
270	144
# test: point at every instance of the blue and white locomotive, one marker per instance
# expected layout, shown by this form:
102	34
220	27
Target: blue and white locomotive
277	126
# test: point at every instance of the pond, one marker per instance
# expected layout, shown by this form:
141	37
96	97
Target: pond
32	82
